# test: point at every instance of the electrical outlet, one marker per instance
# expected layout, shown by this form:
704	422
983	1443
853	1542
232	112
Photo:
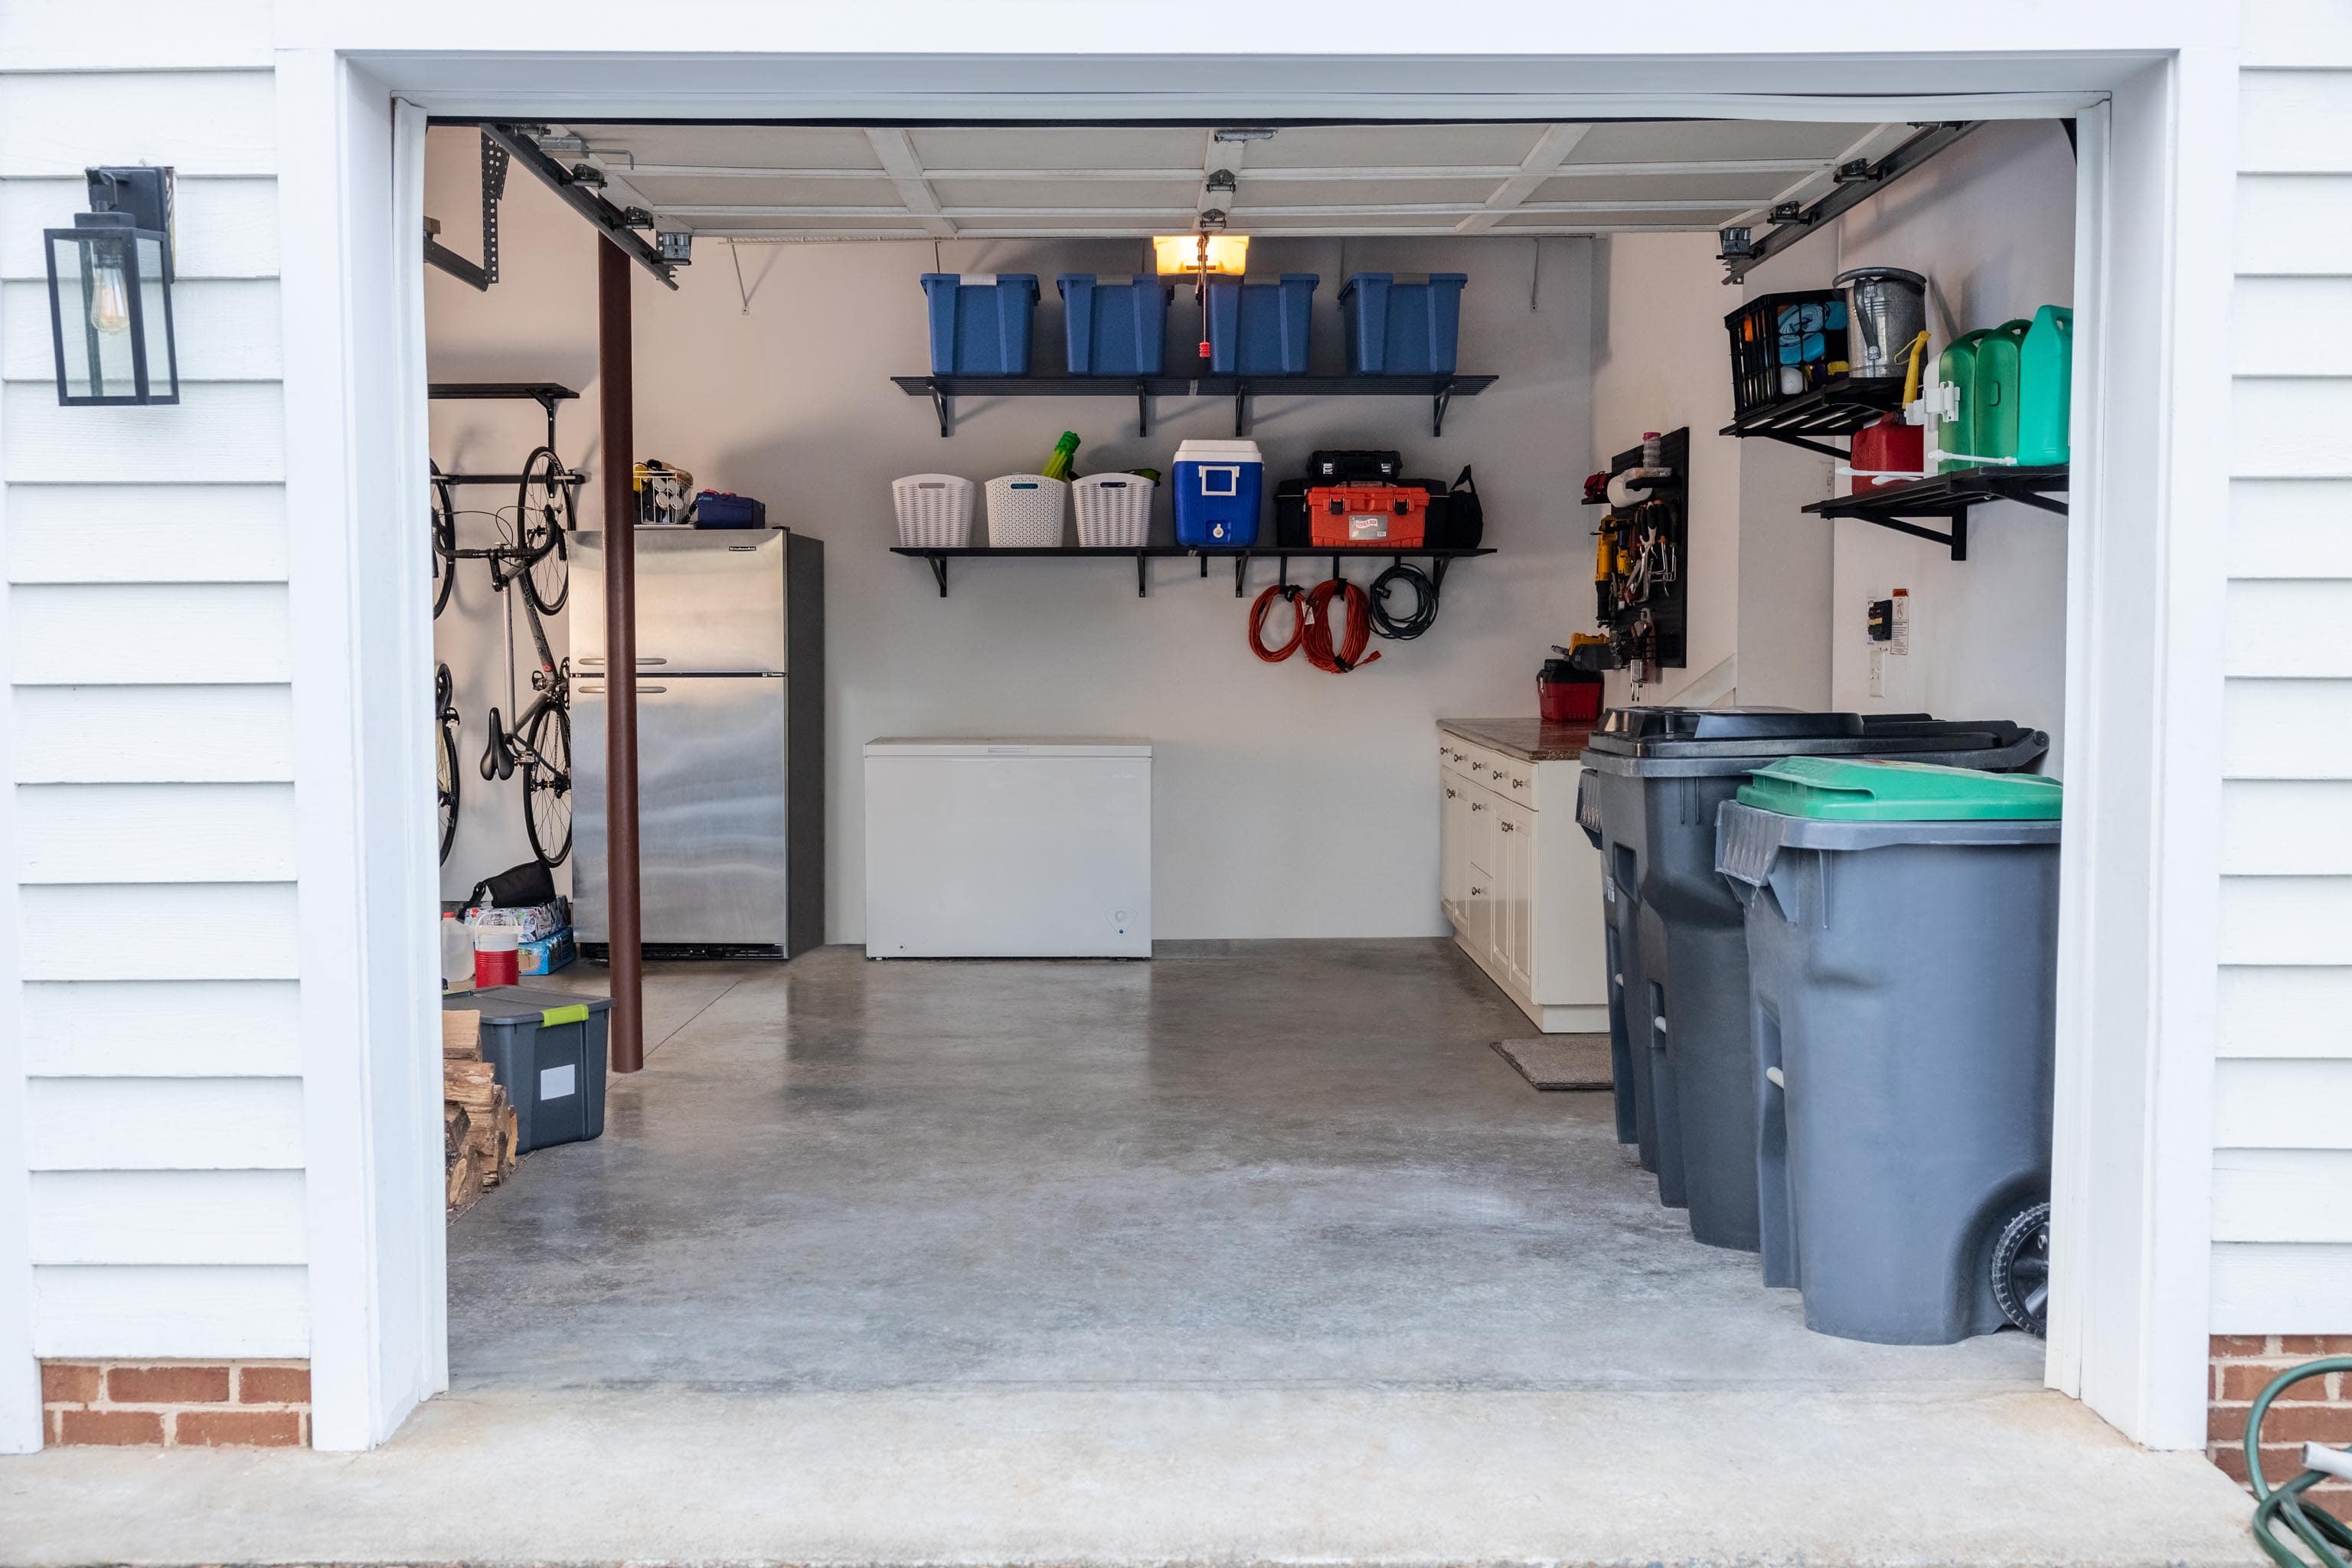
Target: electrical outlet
1877	670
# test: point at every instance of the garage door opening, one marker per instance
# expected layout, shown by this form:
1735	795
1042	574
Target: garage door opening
1284	1151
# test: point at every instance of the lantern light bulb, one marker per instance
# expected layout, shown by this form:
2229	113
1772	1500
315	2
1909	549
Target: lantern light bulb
109	300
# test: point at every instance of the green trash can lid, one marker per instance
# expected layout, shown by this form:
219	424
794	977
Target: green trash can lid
1855	789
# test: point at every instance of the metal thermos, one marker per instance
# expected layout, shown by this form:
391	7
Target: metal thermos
1886	308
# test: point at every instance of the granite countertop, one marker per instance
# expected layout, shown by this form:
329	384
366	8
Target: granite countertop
1529	740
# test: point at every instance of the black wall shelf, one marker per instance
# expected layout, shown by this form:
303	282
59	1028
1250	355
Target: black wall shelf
1948	497
1839	406
546	394
1145	553
1441	391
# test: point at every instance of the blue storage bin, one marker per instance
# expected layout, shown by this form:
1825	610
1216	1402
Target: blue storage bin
1402	323
1220	489
1259	328
981	329
724	509
1115	326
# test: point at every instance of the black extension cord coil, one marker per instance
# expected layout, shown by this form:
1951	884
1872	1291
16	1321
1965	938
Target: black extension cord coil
1402	629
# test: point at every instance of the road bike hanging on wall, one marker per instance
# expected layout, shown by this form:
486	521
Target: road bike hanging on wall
533	554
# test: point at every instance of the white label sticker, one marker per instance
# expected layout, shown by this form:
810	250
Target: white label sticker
1609	889
1367	525
554	1083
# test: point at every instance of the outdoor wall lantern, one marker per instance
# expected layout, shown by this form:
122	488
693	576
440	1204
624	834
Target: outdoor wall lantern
111	293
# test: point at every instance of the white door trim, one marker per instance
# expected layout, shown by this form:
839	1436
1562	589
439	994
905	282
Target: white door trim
2139	951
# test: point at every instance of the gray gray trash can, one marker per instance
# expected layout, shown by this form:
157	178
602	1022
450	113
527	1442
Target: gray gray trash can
1680	946
1636	1123
548	1052
1902	939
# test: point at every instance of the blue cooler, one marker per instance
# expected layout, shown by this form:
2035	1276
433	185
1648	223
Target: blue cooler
981	329
1220	486
1259	328
1115	326
1398	323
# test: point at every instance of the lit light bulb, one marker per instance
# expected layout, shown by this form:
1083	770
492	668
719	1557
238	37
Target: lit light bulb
109	300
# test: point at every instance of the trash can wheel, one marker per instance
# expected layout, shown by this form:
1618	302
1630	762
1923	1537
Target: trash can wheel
2021	1270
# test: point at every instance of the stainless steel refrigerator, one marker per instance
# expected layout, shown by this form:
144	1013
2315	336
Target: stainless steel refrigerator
730	741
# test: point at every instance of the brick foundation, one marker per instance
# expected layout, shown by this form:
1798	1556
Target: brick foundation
176	1403
2318	1411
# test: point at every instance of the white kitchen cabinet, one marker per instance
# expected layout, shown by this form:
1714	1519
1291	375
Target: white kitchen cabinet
1520	884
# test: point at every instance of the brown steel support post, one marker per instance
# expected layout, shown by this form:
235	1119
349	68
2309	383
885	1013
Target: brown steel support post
617	390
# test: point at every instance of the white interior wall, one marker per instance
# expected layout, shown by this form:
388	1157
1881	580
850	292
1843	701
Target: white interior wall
1289	803
1992	224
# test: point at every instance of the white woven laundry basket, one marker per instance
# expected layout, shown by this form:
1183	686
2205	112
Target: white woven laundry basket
1114	509
934	511
1025	512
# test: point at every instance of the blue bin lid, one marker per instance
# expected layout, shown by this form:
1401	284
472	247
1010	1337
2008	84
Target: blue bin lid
1062	281
1457	278
996	280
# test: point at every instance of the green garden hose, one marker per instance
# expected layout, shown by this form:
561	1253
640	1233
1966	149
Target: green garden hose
2329	1539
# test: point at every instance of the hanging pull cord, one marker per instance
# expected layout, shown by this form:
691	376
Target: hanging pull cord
1317	630
1257	622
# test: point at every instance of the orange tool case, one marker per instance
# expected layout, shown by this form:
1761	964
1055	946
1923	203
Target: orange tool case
1368	517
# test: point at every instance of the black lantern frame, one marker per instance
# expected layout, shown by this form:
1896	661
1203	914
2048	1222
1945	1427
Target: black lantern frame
110	324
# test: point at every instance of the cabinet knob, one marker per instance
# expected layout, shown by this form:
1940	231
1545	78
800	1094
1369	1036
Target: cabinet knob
1477	892
1511	827
1477	806
1451	795
1478	767
1519	784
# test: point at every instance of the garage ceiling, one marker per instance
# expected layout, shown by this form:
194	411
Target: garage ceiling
787	183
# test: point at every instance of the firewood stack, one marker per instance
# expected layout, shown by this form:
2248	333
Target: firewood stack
478	1135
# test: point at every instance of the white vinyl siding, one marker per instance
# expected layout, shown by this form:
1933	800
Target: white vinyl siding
151	729
2283	1085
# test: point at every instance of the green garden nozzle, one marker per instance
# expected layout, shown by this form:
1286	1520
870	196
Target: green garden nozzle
1064	460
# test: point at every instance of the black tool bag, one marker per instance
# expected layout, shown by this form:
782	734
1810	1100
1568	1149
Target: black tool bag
522	887
1341	467
1291	528
1466	520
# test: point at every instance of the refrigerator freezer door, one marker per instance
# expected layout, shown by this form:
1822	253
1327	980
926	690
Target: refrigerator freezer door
706	601
1008	849
710	810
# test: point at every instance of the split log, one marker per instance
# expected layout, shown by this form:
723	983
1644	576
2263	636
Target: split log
464	1179
509	1140
457	1130
473	1085
461	1036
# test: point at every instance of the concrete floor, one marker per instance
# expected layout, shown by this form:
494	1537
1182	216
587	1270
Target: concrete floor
1254	1252
1270	1165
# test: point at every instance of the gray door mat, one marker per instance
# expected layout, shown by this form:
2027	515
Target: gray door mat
1559	1062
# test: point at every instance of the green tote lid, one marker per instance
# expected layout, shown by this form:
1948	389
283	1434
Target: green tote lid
1843	789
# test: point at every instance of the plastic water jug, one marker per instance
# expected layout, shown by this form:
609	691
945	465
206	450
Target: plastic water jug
1957	366
1996	390
2045	386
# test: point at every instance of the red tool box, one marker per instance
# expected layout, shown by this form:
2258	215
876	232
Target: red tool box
1368	517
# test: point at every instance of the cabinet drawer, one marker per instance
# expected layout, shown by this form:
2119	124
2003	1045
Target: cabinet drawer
1513	780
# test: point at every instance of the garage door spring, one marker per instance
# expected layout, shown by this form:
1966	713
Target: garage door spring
1424	602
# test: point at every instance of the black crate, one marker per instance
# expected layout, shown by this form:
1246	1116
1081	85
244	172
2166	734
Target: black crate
1756	332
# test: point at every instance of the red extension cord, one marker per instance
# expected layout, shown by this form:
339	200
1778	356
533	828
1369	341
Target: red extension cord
1313	627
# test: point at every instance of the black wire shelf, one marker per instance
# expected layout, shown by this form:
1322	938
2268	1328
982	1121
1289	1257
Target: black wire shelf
1441	391
1439	557
1948	497
1839	406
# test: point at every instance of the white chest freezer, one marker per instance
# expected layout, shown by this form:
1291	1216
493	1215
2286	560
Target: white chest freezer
1008	848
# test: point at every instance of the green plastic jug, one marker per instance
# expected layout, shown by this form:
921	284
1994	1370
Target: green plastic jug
1997	363
2045	384
1958	365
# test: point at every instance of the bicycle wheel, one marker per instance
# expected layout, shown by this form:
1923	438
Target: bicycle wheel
444	732
445	542
547	785
542	517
